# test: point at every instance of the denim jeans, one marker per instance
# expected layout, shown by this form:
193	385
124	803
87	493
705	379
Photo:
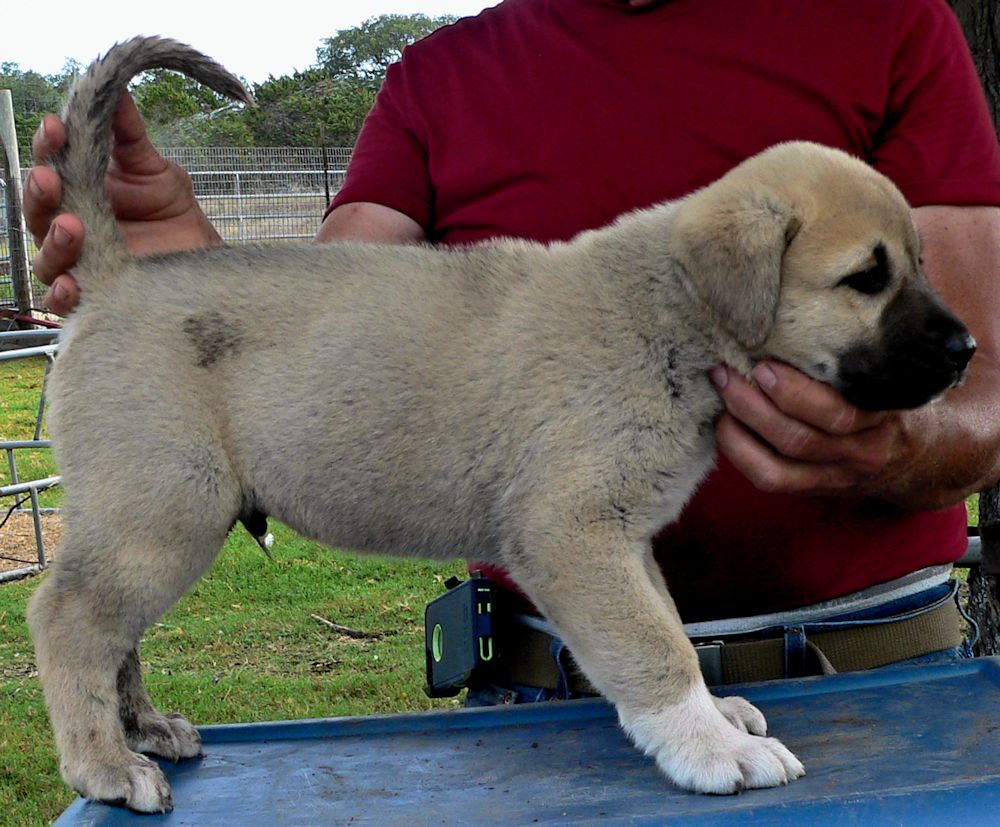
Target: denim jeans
911	605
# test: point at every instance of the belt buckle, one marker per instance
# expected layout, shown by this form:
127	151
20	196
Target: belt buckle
710	660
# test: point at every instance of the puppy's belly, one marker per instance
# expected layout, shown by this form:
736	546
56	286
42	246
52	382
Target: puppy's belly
376	506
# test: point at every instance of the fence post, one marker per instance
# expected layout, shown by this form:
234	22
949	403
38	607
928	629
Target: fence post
16	232
241	226
326	174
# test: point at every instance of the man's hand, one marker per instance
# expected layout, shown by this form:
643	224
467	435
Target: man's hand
790	434
152	198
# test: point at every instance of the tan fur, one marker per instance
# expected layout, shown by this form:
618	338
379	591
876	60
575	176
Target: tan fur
545	408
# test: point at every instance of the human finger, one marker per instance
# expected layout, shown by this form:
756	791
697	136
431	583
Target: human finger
133	153
865	452
48	138
42	197
63	295
809	400
774	473
60	248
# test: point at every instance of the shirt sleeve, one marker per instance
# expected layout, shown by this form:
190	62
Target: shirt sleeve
389	163
938	143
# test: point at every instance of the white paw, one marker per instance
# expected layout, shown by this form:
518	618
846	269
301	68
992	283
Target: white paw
742	714
169	736
705	744
138	784
149	791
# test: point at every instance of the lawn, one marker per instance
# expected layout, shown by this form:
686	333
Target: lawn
242	646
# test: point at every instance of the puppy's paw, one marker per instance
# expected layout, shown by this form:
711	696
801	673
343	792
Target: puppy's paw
138	784
168	736
742	714
703	745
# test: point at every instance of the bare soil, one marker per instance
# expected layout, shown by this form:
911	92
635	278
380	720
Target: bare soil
17	540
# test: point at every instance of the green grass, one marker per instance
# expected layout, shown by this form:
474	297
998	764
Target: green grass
242	646
21	382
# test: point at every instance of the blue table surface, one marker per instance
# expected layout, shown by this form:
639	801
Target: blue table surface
908	746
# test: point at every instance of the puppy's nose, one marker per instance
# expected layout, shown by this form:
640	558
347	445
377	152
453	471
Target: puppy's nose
960	346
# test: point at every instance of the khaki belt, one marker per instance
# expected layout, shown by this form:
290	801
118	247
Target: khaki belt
886	640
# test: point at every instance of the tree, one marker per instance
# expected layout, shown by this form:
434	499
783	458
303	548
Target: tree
308	109
182	112
365	52
327	103
980	21
33	96
164	96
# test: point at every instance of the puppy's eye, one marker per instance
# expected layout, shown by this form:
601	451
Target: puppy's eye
870	282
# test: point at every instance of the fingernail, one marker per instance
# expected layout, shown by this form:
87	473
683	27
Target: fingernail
60	294
764	376
60	236
33	187
719	376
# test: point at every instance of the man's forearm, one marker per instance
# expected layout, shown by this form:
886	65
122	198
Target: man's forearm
961	432
960	435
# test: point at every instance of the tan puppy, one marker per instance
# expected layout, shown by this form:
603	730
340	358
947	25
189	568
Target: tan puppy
543	407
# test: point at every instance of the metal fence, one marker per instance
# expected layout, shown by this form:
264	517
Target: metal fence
249	194
264	193
8	293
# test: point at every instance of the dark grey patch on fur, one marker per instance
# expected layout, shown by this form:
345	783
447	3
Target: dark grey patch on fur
213	337
665	359
254	520
105	100
128	703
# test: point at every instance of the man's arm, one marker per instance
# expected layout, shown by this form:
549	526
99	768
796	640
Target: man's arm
365	221
791	434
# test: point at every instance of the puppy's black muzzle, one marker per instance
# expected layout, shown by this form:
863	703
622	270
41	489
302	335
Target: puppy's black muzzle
922	350
959	347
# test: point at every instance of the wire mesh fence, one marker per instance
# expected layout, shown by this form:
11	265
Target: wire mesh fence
12	262
249	194
264	193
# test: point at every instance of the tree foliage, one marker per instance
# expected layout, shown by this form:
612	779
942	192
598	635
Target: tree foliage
366	51
308	109
324	104
34	95
182	112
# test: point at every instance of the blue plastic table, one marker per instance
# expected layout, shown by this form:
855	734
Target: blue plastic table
908	746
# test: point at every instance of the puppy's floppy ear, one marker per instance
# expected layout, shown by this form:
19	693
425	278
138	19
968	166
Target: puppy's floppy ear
730	240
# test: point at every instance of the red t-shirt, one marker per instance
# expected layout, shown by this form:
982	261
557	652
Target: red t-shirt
543	118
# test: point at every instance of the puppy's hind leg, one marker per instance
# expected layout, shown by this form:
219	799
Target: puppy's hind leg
147	730
113	576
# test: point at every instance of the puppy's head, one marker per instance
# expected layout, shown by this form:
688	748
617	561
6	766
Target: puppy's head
807	255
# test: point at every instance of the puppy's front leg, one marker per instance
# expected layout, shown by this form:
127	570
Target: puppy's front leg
624	633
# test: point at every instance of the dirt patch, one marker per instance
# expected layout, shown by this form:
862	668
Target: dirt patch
17	540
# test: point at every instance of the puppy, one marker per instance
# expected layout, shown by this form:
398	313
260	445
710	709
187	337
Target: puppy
544	407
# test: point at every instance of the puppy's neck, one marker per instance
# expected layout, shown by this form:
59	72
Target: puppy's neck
651	289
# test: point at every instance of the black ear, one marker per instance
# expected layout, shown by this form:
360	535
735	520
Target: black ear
730	240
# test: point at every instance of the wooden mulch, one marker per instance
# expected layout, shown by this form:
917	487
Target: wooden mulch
17	540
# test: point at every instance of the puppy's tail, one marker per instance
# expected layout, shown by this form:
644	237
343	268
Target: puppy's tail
83	161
